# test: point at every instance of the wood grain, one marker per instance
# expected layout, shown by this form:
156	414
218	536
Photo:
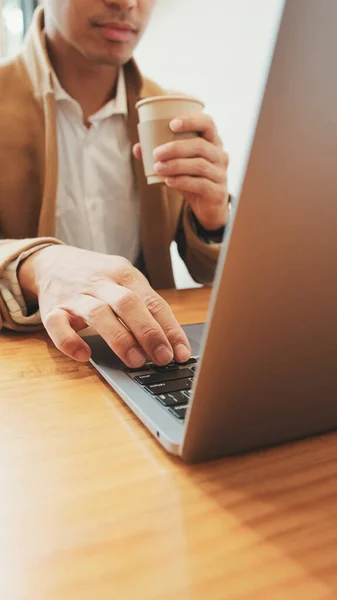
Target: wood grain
91	508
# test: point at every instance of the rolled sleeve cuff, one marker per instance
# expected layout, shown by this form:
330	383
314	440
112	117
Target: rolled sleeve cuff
11	292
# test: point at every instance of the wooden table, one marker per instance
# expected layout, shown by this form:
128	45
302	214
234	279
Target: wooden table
91	508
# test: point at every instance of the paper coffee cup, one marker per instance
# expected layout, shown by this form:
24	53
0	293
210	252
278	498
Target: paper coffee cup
155	115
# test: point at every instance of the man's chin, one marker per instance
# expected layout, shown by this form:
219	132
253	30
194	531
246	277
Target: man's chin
113	59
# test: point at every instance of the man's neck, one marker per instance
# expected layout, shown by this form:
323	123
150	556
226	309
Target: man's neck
90	84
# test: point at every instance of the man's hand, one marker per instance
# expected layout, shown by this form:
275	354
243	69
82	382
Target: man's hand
76	288
197	168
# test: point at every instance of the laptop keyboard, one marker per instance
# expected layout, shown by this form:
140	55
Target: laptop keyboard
170	385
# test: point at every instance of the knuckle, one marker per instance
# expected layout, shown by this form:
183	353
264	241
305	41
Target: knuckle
97	312
126	303
155	305
149	334
174	332
202	168
125	273
204	187
120	339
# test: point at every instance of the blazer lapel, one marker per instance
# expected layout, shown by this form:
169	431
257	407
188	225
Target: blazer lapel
38	65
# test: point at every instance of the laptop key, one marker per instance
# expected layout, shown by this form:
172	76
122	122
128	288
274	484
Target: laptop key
148	378
173	399
146	367
179	397
179	411
190	361
166	387
170	367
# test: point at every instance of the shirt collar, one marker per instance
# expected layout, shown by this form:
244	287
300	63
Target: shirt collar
116	106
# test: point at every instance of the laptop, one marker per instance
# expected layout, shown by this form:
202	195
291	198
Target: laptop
264	367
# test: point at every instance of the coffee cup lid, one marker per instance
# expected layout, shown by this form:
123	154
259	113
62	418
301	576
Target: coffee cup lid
169	97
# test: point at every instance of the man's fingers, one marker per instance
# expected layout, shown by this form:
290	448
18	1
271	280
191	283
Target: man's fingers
57	324
159	309
196	167
99	315
162	312
192	148
131	309
154	305
198	186
201	123
148	316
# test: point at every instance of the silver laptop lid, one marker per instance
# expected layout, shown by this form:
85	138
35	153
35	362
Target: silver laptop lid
269	370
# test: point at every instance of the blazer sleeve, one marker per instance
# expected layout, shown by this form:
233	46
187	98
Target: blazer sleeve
10	251
200	255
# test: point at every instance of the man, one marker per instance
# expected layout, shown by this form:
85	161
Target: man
77	220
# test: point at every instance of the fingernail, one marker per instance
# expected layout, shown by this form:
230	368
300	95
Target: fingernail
176	124
135	358
82	355
163	355
182	353
158	166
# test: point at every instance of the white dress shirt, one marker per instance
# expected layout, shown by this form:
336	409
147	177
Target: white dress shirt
97	201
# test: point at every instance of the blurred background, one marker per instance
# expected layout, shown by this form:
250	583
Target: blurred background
218	50
16	16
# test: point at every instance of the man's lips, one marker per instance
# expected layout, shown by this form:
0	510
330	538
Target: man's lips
116	32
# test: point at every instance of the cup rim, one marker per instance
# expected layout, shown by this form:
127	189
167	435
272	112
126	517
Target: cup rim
169	97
